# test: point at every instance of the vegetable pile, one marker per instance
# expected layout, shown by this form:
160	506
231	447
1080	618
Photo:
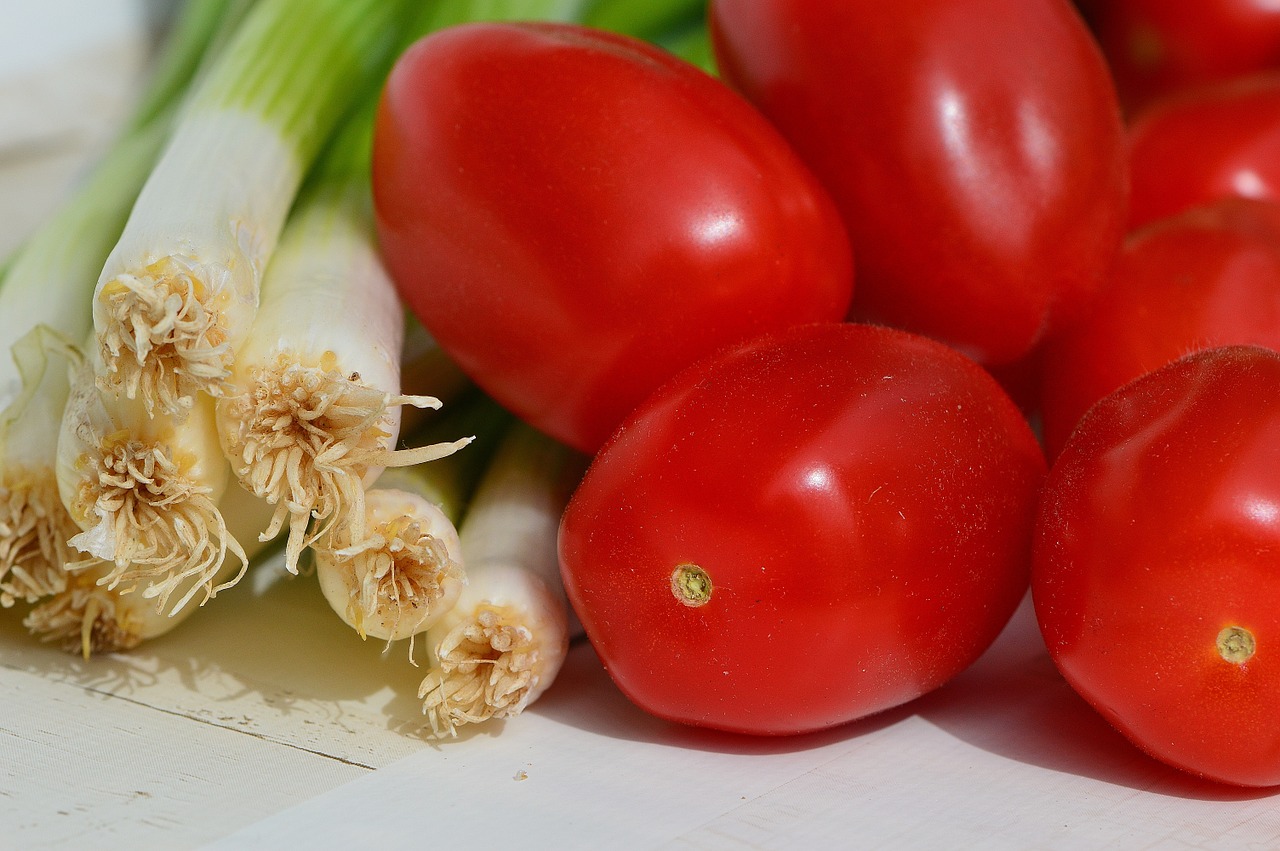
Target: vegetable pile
778	348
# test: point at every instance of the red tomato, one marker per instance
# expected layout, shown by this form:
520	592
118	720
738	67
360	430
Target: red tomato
975	149
1155	580
804	530
1208	277
576	215
1156	47
1215	142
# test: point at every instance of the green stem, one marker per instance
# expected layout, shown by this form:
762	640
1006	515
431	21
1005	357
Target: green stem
647	19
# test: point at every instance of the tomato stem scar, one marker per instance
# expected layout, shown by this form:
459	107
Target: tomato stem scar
1236	644
691	585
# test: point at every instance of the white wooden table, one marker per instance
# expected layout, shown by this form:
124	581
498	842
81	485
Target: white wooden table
265	723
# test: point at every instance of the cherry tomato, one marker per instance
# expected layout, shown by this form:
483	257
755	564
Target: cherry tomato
804	530
576	215
1156	47
975	149
1197	146
1208	277
1155	580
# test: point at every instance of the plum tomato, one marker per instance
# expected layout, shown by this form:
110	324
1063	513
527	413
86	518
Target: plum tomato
575	215
1217	141
1159	47
1154	579
1207	277
803	530
975	149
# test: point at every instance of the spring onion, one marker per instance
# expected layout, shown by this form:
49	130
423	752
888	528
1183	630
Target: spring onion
179	291
45	309
40	321
92	616
501	645
144	489
312	410
408	571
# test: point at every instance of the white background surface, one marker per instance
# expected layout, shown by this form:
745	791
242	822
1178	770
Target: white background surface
266	723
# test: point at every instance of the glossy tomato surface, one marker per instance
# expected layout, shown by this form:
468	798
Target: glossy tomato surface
1155	580
1213	142
1207	277
804	530
575	215
975	149
1156	47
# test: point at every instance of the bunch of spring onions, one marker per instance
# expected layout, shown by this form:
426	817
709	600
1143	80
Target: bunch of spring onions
141	464
209	359
45	312
116	486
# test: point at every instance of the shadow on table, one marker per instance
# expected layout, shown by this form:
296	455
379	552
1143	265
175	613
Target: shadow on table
584	697
1014	703
273	635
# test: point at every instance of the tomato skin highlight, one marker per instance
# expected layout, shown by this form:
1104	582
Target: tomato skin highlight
1198	146
576	215
861	501
975	149
1159	530
1207	277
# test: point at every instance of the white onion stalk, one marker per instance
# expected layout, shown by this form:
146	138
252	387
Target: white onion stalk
89	616
145	490
407	571
311	415
45	307
499	648
179	291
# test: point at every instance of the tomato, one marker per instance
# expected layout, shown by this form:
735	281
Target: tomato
575	215
1156	47
1214	142
975	149
1155	580
1204	278
806	529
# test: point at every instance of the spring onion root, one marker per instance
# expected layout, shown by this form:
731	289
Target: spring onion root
92	616
499	648
409	571
144	490
34	529
405	574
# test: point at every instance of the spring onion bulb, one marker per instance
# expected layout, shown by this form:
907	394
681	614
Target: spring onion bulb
144	489
91	616
179	291
45	306
501	645
408	570
311	414
405	573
